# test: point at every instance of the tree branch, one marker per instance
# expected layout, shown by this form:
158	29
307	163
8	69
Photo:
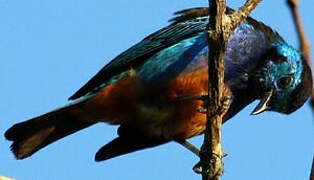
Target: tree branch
5	178
304	43
304	47
218	32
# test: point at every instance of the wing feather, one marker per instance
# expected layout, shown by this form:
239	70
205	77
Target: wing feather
137	54
185	24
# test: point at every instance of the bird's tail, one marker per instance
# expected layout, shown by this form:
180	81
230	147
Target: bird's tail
30	136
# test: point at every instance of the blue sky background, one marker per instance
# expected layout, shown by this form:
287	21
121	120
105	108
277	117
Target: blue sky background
49	49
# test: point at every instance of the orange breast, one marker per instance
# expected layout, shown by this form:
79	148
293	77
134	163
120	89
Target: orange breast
127	102
187	121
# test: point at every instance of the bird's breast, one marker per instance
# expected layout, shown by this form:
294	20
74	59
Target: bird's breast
155	110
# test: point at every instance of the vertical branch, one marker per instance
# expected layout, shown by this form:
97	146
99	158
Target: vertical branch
304	47
218	32
304	43
211	151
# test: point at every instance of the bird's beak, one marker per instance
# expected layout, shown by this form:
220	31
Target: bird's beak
264	104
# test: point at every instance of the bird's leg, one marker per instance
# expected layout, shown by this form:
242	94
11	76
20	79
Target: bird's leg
189	146
193	149
203	108
204	98
226	102
197	168
200	97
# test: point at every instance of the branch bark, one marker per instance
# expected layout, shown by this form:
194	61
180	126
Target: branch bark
218	32
304	43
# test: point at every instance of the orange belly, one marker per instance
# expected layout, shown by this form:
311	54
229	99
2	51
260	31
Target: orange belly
156	113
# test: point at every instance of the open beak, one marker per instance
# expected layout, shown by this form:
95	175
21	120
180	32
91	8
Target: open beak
264	104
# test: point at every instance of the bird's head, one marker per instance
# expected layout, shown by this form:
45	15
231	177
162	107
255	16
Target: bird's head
284	80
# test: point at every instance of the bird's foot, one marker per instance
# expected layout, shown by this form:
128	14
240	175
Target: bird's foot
225	103
204	98
202	109
197	168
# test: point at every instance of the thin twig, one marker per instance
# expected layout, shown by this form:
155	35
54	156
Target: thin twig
218	32
304	43
304	47
5	178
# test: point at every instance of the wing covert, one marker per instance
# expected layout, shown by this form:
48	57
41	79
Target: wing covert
185	24
138	53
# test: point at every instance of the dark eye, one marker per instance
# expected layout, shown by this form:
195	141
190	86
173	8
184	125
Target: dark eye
285	82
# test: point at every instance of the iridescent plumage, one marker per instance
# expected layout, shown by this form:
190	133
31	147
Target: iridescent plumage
143	89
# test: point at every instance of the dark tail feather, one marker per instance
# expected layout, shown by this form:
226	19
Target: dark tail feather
30	136
125	144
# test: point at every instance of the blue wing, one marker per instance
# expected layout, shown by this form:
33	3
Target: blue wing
186	24
141	51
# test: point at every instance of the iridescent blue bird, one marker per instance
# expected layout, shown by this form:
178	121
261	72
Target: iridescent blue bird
145	89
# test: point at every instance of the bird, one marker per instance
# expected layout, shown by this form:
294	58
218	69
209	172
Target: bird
153	91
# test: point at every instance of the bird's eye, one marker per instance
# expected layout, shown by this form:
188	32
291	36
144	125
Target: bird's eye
285	82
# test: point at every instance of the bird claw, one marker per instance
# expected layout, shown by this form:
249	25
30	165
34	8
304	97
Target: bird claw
197	168
202	109
226	102
225	154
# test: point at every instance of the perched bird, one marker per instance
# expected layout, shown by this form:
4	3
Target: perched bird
152	90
